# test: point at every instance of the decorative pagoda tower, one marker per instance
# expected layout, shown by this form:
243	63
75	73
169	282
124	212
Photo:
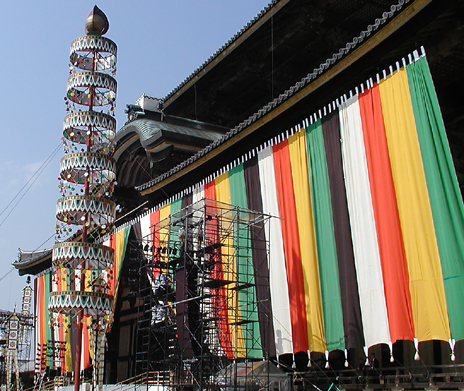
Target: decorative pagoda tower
84	213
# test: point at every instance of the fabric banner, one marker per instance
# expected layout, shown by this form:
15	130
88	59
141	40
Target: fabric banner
325	238
41	312
230	270
366	239
54	331
118	242
220	299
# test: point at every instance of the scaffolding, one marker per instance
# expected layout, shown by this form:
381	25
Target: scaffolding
198	311
23	345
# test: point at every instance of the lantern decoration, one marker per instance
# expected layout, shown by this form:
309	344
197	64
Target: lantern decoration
85	211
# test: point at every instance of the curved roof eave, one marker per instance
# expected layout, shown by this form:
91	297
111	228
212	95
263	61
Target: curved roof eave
310	78
149	132
228	45
29	260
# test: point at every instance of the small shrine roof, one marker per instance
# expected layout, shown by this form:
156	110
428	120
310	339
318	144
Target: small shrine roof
32	262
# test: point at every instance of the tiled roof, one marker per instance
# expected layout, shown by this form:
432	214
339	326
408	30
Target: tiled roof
308	79
26	258
222	48
147	128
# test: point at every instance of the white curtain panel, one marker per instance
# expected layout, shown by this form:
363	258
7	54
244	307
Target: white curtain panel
364	235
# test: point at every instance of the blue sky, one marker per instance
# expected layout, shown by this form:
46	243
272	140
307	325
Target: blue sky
160	43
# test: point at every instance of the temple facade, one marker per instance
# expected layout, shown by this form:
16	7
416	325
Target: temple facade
291	216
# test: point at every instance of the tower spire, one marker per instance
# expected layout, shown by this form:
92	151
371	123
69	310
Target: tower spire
85	212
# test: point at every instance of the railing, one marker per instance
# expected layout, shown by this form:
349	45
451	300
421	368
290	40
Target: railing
58	381
161	378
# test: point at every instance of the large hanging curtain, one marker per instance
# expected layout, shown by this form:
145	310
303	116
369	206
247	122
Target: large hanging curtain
48	334
64	321
154	238
89	277
145	228
163	237
176	206
41	311
60	327
366	242
67	338
146	237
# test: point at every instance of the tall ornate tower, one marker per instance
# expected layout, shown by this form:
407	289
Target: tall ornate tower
85	212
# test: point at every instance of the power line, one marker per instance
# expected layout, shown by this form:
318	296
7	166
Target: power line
1	278
40	245
29	183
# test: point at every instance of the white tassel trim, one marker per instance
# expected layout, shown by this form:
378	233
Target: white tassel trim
416	345
452	343
366	353
390	345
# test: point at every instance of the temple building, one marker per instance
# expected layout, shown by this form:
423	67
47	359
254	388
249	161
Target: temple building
290	216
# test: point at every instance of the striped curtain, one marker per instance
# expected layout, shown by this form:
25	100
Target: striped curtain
41	312
366	243
118	242
52	328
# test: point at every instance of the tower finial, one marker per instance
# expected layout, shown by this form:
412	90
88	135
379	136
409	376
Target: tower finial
97	22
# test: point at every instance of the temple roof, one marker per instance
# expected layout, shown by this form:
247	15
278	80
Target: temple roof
276	50
32	262
320	46
150	144
153	135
